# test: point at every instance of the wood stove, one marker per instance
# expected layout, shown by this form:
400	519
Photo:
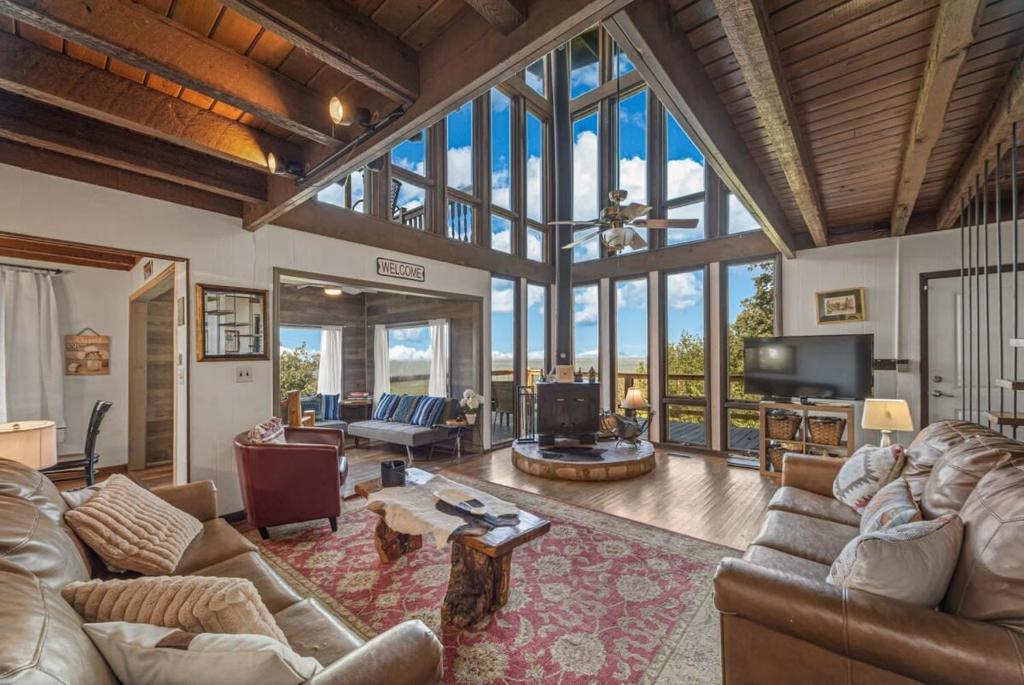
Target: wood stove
569	411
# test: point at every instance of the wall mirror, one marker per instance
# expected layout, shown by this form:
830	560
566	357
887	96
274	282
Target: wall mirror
230	323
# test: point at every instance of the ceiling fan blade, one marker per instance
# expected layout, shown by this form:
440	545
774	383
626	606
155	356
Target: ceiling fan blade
589	222
668	223
582	240
634	210
637	242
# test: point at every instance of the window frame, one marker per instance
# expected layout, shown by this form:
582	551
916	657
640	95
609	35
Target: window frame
613	329
684	400
517	336
600	351
417	324
547	327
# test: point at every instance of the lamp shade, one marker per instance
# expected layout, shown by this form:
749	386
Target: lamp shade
887	415
634	399
33	443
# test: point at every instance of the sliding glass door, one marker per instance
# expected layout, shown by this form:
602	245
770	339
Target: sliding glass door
685	358
504	359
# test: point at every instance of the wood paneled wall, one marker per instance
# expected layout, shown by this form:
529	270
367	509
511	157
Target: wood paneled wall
160	379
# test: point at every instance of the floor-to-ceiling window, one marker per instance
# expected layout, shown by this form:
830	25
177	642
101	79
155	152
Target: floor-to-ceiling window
503	359
632	152
501	171
536	332
632	362
685	180
585	183
409	358
536	182
749	290
586	331
459	174
685	387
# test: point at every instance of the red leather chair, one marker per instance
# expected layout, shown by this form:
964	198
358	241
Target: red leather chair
297	481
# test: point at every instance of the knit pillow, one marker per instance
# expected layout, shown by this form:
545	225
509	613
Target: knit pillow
891	506
428	412
385	406
405	408
196	604
131	528
865	473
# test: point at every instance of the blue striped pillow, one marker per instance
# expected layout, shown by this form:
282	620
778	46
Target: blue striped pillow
385	407
405	408
428	411
329	408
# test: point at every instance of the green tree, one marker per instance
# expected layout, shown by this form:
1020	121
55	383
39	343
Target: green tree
756	319
299	370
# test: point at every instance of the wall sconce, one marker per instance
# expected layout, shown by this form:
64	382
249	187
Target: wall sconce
343	114
282	167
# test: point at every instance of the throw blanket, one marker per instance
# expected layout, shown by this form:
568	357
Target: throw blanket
413	510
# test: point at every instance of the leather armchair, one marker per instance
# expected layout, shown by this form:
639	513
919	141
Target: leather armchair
299	480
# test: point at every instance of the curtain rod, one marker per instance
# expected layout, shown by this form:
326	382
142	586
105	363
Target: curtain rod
55	272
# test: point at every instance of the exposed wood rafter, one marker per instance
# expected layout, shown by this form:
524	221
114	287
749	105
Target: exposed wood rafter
668	63
470	57
954	31
50	77
137	36
1007	109
42	249
339	36
42	126
750	35
504	15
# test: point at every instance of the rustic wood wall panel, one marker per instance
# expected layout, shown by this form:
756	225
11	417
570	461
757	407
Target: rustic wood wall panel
160	379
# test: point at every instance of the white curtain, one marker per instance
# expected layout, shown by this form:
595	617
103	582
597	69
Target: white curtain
438	384
328	377
381	362
31	348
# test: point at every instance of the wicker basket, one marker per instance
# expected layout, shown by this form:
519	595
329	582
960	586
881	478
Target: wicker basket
777	452
826	430
782	424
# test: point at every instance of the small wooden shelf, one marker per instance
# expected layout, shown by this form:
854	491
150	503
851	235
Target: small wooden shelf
1016	342
1010	384
801	442
1005	418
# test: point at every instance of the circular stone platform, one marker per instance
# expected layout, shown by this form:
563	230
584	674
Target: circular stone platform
597	463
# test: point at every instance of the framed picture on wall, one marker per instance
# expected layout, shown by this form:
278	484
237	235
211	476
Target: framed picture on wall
840	306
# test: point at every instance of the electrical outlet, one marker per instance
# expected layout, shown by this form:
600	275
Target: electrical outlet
243	374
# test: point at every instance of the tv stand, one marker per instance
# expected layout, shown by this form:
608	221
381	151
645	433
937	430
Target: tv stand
802	442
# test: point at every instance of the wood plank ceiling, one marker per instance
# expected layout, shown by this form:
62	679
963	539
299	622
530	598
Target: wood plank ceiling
855	70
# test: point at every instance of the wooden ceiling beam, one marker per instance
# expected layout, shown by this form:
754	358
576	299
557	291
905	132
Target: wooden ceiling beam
749	32
38	125
47	76
25	247
95	173
464	62
1006	110
339	36
955	27
129	32
504	15
653	41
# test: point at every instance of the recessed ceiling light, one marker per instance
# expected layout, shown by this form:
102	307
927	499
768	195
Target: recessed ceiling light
332	291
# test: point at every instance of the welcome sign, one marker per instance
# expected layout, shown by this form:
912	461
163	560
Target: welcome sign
396	269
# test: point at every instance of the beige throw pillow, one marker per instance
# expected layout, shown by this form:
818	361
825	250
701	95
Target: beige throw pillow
864	474
913	562
131	528
139	653
197	604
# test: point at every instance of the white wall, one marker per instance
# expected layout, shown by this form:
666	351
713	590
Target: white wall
220	253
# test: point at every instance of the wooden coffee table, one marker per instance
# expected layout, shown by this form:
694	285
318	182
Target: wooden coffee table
481	563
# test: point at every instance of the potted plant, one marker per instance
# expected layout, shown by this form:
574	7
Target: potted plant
471	402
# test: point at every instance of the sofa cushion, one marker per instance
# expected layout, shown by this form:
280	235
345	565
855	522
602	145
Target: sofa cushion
429	412
805	537
43	640
385	407
786	563
921	460
18	480
33	541
865	473
217	541
405	408
274	592
891	506
798	501
944	435
397	433
312	631
988	584
329	409
958	471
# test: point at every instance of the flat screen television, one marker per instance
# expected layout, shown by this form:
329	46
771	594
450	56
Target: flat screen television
827	367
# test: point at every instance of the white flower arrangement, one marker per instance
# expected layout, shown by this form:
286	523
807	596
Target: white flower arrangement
471	401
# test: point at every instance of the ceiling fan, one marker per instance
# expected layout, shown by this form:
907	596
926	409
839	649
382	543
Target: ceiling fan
618	223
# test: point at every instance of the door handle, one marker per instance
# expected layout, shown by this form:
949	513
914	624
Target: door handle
939	393
936	379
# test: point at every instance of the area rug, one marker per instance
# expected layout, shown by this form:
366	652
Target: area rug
599	599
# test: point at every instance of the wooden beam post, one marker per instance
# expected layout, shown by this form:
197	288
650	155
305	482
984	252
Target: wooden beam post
1007	109
954	31
338	35
649	35
142	38
465	62
504	15
749	32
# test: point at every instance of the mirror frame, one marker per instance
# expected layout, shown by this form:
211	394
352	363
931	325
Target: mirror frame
201	355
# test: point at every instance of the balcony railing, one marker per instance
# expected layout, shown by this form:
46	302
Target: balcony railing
413	218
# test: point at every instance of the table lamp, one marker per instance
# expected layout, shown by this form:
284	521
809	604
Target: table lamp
886	416
33	443
633	400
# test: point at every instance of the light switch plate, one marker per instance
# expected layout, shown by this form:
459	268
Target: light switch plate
243	374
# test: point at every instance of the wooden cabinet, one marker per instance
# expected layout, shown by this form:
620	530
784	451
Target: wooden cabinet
803	442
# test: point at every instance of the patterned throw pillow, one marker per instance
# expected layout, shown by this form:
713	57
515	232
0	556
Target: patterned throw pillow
385	407
329	408
891	506
271	430
428	412
865	473
405	408
913	563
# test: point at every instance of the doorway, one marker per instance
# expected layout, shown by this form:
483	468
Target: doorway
152	388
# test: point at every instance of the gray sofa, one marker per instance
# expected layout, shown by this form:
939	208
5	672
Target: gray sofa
405	434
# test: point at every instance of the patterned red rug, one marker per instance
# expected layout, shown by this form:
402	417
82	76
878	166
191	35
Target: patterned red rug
599	599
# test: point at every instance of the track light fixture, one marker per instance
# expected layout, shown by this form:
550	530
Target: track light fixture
343	114
281	166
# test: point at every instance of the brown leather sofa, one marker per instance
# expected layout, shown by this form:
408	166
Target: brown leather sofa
782	623
41	636
297	481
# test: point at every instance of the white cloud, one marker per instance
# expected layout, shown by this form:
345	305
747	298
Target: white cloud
501	356
460	167
684	177
534	189
584	172
502	297
407	334
682	290
535	296
419	167
585	301
404	353
633	178
502	240
740	219
534	246
631	294
501	188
